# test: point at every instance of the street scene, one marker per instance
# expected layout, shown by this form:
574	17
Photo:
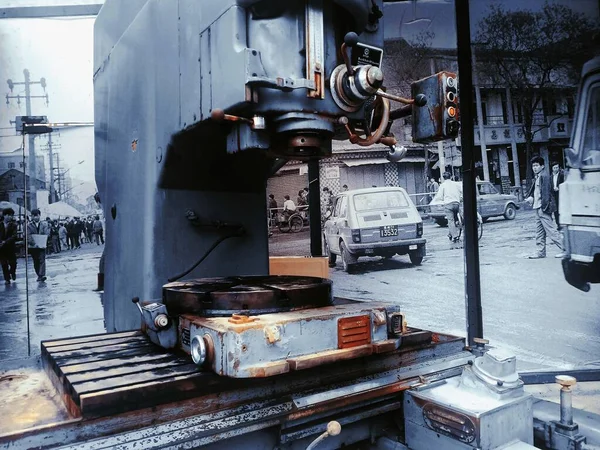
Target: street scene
528	307
521	297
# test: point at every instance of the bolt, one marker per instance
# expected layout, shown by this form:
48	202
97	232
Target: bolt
566	399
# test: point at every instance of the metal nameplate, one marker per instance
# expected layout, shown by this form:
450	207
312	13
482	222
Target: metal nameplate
363	54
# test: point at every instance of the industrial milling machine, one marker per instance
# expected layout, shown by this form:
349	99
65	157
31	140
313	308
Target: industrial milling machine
197	103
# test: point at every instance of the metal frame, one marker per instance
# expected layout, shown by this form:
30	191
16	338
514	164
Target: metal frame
547	377
43	12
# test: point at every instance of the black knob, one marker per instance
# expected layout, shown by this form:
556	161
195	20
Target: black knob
135	300
421	100
351	39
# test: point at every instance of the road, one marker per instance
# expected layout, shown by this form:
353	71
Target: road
65	305
528	308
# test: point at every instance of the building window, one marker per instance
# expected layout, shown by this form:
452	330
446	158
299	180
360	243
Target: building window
504	107
518	112
11	165
570	106
21	165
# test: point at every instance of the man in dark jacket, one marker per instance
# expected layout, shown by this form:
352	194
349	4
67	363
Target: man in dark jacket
37	250
542	200
70	234
558	177
8	239
77	229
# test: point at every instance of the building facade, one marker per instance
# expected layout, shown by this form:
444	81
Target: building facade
12	187
14	160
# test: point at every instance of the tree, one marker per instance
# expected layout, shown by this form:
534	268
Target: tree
531	53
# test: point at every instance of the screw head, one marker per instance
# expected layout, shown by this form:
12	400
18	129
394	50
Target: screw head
565	380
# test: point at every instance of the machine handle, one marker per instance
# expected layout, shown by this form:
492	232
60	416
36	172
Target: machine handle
350	40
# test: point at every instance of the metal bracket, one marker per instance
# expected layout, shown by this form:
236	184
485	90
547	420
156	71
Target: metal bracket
256	76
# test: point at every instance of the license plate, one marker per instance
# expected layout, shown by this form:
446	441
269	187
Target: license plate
388	230
412	247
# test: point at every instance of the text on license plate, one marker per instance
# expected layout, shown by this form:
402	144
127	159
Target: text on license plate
388	230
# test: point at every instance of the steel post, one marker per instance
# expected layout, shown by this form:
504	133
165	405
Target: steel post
472	271
314	208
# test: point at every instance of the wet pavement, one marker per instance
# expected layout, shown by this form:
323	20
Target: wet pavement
63	306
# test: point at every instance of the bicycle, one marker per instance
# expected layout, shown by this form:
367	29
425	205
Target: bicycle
293	223
459	221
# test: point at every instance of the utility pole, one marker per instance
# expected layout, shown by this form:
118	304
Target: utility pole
31	156
59	177
51	160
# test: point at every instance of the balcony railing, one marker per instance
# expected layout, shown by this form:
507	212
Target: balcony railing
538	119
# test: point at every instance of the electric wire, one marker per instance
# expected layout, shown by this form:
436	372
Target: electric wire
208	252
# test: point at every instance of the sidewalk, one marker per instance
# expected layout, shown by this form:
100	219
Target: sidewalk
64	306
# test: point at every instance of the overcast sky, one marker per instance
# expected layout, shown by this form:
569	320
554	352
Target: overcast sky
61	51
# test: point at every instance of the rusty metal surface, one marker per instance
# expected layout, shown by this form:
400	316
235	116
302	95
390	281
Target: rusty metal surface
354	331
219	397
213	297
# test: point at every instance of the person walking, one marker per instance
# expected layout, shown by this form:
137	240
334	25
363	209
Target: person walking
69	223
8	239
63	236
89	229
55	240
37	250
541	198
558	177
98	230
450	195
272	206
77	230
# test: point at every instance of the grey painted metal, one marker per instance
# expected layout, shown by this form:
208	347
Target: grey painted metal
47	11
546	377
137	111
260	422
472	270
469	412
267	345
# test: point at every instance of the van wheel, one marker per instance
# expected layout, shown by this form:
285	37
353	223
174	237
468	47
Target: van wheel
348	260
415	257
332	256
510	212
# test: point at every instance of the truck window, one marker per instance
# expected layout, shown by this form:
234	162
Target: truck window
590	155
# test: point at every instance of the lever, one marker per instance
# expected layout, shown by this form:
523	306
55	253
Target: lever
350	40
136	302
218	115
333	429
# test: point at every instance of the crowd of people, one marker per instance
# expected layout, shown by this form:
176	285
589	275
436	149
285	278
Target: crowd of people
44	237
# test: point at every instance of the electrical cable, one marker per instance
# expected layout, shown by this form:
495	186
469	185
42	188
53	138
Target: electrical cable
208	252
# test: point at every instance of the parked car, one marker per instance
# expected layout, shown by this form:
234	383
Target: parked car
490	203
373	222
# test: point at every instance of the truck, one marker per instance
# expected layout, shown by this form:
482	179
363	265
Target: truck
579	195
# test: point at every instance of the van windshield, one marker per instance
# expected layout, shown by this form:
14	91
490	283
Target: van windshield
380	200
591	133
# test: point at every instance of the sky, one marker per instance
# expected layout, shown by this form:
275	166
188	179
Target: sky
61	50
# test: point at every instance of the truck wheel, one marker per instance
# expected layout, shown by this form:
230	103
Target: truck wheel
348	260
415	257
332	256
510	212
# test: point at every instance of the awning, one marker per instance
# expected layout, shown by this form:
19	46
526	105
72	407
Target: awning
365	161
